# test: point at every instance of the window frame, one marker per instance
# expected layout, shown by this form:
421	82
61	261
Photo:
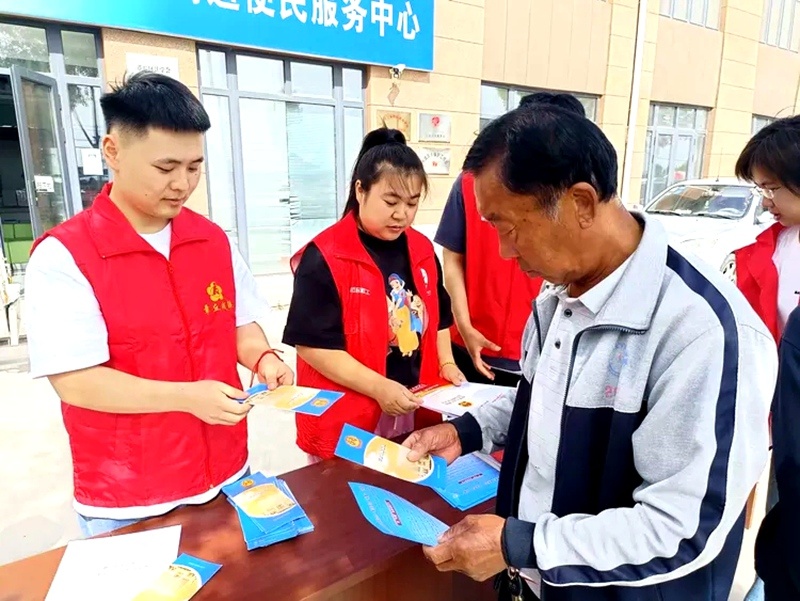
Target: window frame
669	12
776	9
511	91
762	120
234	95
654	130
58	72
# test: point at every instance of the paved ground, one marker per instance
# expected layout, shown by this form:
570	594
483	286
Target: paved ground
35	498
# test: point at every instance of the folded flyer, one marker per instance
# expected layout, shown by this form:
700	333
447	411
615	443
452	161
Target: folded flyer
390	458
268	512
450	399
395	516
180	581
309	401
471	480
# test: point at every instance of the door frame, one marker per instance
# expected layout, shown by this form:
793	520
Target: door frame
18	75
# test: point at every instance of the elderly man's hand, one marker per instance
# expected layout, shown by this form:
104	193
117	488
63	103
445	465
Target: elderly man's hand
472	547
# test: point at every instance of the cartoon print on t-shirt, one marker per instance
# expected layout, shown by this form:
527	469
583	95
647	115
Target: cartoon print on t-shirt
406	319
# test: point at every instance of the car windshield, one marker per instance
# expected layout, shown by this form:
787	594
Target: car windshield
715	201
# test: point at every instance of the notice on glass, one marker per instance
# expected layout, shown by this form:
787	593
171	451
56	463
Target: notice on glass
309	401
44	184
180	581
390	458
395	516
450	399
114	568
92	161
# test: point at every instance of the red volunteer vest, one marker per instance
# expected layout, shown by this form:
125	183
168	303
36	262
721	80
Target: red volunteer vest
499	293
169	320
362	291
757	277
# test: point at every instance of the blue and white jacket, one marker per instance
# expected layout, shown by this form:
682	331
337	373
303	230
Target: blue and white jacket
651	483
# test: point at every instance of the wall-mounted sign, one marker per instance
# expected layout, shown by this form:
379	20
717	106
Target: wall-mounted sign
434	127
435	160
396	120
166	65
378	32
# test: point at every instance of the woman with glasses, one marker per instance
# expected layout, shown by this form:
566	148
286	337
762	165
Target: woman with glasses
768	274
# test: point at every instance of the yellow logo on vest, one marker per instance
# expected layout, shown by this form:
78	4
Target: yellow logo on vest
218	301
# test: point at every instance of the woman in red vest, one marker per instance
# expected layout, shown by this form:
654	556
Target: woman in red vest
369	315
768	274
491	295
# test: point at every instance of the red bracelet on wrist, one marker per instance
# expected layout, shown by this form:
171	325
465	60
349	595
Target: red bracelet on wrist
273	351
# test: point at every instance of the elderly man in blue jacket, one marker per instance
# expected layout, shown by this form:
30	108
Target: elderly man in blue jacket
640	425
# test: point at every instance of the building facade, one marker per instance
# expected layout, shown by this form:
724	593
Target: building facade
292	85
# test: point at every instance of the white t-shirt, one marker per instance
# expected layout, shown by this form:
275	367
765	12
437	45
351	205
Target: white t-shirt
787	260
572	316
67	332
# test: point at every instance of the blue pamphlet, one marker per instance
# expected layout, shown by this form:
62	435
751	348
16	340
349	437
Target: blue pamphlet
308	401
181	580
268	512
390	458
397	517
470	482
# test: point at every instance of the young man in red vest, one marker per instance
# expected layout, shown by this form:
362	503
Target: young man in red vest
138	312
491	296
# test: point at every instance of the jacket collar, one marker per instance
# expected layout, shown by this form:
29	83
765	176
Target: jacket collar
349	244
762	251
114	235
633	301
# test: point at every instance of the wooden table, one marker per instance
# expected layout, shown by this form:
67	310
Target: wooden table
344	559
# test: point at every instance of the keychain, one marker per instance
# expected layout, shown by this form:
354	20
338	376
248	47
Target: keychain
515	585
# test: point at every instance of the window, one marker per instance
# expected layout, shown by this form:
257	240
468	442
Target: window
780	25
83	88
76	69
718	201
676	137
697	12
268	187
760	122
497	100
24	46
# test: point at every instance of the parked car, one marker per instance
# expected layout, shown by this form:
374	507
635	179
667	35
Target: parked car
711	218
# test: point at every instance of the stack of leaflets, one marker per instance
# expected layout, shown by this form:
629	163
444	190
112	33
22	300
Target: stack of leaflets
268	511
471	480
453	401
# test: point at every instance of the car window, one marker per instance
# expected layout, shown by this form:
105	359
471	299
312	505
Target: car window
717	201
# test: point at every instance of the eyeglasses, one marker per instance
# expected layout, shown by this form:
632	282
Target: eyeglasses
768	193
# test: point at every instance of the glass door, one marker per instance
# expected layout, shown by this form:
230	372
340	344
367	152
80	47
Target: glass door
268	196
37	105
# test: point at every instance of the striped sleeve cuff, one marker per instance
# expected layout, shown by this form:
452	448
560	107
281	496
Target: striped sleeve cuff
517	543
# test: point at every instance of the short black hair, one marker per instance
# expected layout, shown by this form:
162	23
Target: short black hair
542	150
146	100
776	150
565	101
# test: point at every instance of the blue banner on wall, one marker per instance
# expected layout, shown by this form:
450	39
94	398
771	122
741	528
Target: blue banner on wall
379	32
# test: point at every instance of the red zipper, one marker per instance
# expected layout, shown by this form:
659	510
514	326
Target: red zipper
192	368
